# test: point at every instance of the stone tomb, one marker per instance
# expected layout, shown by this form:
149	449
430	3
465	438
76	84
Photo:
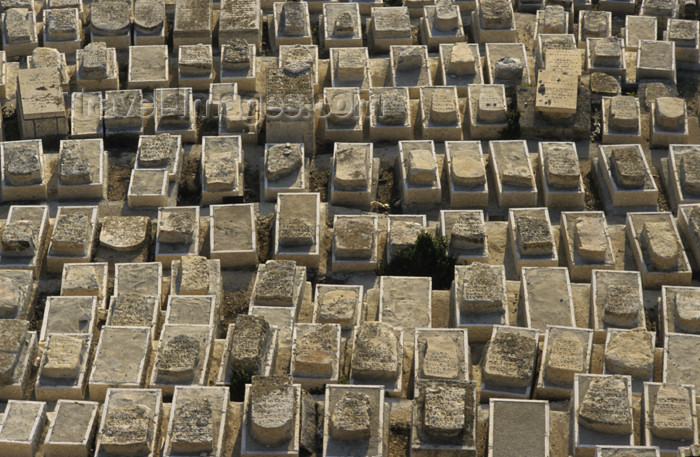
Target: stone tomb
352	174
271	417
440	355
86	115
69	315
195	66
278	283
133	310
560	174
601	411
196	275
630	352
82	170
63	367
219	94
123	113
616	302
388	27
355	243
349	67
338	304
120	360
298	228
182	357
419	174
72	429
221	169
639	28
22	426
685	34
561	47
531	238
606	55
96	67
390	115
129	424
139	279
23	241
669	416
86	279
656	60
355	422
150	24
377	356
42	108
194	23
587	244
175	114
689	227
444	419
478	300
232	235
23	176
487	108
240	116
465	231
658	251
284	169
110	23
441	24
192	310
298	58
63	29
553	19
624	179
410	67
19	32
506	63
460	66
660	8
316	352
238	64
241	19
512	171
493	21
250	346
178	233
18	349
340	26
557	95
593	24
48	57
197	421
679	364
679	308
668	122
17	293
148	67
441	118
402	232
567	352
526	419
682	174
73	237
508	364
466	174
290	24
538	306
150	188
345	119
405	302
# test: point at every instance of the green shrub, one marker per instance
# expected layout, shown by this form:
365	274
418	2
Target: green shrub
239	378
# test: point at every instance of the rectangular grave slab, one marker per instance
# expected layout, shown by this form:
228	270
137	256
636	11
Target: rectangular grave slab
658	251
149	22
656	60
390	114
160	151
486	107
72	429
73	237
148	67
441	116
241	19
139	278
131	310
352	174
297	58
120	360
669	416
86	115
465	231
42	108
624	179
441	24
238	64
539	308
316	352
419	174
444	418
553	19
298	228
466	173
80	279
232	230
182	357
567	352
355	243
250	347
342	26
194	23
606	55
205	434
346	116
241	116
630	352
410	67
681	174
685	34
192	310
639	28
512	171
531	238
338	304
17	293
594	24
506	63
97	67
20	35
123	112
560	173
517	416
660	9
222	169
195	66
678	368
284	170
63	367
290	25
587	244
678	310
403	231
82	170
18	352
69	315
508	365
355	421
271	420
560	47
278	283
389	27
440	355
129	422
22	426
601	412
494	22
668	122
178	233
174	113
196	275
149	188
349	67
220	93
478	299
111	24
24	238
616	301
63	29
23	175
458	66
377	356
688	227
405	302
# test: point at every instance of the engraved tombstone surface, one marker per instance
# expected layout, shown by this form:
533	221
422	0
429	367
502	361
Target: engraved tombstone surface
672	416
272	407
605	406
510	358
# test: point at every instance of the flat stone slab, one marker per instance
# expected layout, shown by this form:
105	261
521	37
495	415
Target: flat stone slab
405	302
